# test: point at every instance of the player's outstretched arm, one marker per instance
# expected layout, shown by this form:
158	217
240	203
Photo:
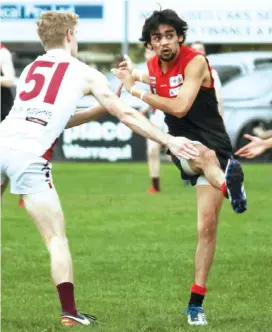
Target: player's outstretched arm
179	106
256	147
83	115
179	146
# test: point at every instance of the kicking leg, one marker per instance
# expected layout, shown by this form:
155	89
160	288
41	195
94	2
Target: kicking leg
46	211
207	163
230	183
209	205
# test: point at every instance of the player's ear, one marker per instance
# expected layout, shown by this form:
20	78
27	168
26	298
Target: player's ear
149	46
180	39
69	34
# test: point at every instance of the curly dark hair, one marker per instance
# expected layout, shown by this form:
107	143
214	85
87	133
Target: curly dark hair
158	17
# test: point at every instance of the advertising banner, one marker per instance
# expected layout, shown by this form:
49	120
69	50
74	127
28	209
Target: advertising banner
104	140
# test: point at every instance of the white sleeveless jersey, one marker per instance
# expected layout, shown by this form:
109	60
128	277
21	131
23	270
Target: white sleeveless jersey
47	95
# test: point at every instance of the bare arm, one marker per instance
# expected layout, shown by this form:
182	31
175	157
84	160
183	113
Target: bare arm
141	76
145	109
268	143
8	72
82	116
179	106
129	116
136	121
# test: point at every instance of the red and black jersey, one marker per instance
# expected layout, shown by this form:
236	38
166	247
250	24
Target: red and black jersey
203	122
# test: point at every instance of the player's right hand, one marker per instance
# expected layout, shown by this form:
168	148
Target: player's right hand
183	148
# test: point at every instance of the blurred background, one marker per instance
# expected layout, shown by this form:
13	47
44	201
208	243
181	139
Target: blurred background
237	37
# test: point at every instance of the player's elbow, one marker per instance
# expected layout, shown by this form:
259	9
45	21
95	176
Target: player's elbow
179	108
180	112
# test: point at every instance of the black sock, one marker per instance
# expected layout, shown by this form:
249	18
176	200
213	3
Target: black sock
196	300
156	183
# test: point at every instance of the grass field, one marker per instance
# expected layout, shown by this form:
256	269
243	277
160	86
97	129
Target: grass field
133	255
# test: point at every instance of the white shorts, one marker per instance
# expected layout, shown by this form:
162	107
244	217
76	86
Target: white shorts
157	119
28	174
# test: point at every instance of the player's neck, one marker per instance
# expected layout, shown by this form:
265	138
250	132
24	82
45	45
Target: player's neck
59	49
166	65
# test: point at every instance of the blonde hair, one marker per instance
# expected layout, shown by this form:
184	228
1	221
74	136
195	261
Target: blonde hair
53	26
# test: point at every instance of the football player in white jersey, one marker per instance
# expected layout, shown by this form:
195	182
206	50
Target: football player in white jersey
45	104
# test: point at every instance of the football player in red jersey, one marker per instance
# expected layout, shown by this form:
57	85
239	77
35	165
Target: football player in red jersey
182	86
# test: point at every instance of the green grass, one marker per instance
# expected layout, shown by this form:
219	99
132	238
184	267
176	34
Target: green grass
133	254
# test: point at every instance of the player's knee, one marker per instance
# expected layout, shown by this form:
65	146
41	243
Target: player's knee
58	244
207	225
209	155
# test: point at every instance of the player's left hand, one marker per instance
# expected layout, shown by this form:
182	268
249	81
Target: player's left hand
183	148
125	77
252	149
